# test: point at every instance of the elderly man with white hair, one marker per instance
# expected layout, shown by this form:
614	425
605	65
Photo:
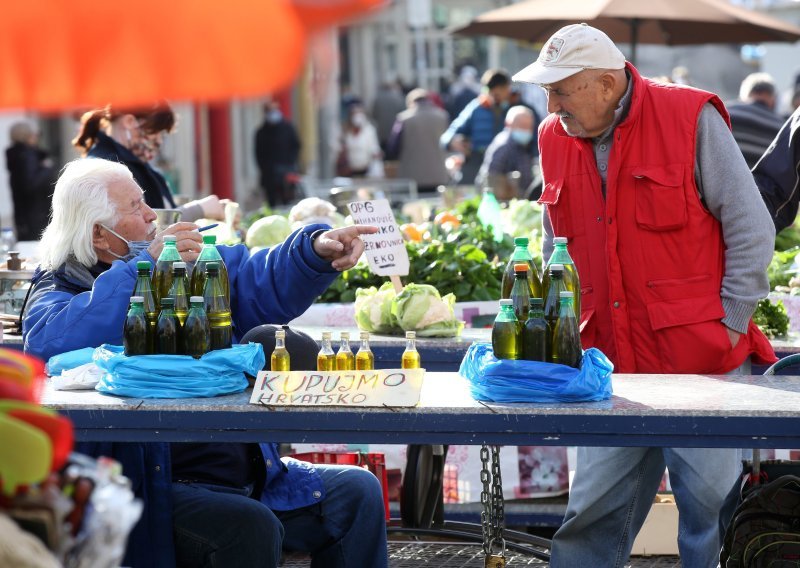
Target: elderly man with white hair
205	504
512	150
753	118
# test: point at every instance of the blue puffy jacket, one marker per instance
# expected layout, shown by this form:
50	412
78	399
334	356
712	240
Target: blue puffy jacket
477	122
74	307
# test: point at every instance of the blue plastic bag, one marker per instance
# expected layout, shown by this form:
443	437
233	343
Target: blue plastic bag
506	380
178	376
69	360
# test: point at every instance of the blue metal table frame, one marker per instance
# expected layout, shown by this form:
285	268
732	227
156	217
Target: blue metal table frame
646	410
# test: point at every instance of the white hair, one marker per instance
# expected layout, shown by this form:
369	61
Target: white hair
516	111
80	201
757	84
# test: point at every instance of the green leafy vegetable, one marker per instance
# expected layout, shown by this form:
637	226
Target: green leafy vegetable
771	318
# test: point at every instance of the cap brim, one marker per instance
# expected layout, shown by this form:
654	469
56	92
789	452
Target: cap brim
539	74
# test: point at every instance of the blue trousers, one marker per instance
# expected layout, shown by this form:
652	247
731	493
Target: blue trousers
218	527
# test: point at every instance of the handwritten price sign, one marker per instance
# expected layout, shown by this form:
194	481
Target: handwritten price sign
385	387
385	250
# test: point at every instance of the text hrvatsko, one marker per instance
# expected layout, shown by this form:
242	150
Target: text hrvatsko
384	387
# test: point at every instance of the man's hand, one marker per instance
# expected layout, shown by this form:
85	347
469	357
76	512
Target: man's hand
459	144
188	240
212	207
343	246
734	336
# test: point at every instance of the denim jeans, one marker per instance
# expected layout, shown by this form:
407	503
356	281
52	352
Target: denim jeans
217	527
612	492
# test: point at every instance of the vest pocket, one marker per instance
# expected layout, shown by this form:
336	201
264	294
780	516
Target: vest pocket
566	217
660	199
690	335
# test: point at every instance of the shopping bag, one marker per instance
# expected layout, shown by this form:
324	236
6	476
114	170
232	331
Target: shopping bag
218	372
506	380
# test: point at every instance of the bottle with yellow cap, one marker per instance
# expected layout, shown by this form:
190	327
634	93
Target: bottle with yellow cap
365	360
326	358
410	359
345	360
280	361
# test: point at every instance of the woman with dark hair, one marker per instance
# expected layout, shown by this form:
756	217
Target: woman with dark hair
133	137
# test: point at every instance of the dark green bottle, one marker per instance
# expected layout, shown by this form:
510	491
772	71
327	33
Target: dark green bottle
162	275
179	290
571	281
521	254
196	330
535	333
521	292
217	309
209	253
566	337
144	289
135	332
505	332
552	303
168	332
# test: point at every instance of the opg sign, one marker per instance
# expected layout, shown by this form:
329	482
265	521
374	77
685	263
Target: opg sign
385	250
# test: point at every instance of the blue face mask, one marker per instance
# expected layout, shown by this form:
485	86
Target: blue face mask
521	137
274	116
135	248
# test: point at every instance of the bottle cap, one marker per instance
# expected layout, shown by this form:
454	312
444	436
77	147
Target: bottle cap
556	268
566	294
364	335
326	335
344	335
209	239
178	265
559	240
520	267
168	302
170	239
142	264
506	302
411	334
521	241
537	302
280	334
137	299
196	299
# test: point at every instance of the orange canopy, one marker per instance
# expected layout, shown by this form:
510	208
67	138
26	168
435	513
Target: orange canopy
57	54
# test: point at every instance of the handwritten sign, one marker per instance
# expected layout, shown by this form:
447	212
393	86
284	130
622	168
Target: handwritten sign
385	250
384	387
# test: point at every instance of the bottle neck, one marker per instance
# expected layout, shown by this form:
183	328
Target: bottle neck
344	345
565	307
279	343
365	345
411	344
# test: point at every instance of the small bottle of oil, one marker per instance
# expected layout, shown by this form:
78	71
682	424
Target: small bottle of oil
410	358
280	356
326	359
365	360
345	360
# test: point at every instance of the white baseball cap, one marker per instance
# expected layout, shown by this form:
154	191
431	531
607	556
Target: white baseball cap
570	50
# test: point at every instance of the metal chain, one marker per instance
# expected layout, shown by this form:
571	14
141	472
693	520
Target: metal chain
498	512
486	501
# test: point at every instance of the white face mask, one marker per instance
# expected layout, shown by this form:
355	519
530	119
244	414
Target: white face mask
135	248
358	120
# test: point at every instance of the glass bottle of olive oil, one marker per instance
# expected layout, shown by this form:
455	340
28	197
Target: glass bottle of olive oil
410	359
345	360
280	356
179	290
365	360
144	288
326	359
196	329
506	332
217	309
135	333
168	331
566	337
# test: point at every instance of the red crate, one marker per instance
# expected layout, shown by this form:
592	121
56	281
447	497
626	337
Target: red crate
374	462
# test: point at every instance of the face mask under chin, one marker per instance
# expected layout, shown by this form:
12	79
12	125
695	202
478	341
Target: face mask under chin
135	248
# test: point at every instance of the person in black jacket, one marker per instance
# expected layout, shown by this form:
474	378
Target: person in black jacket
31	177
277	150
133	137
777	173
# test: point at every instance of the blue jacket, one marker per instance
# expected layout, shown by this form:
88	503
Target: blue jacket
479	123
69	308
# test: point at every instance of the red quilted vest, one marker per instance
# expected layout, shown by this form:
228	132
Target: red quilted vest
649	256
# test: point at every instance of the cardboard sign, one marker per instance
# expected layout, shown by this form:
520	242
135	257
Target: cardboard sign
384	387
385	250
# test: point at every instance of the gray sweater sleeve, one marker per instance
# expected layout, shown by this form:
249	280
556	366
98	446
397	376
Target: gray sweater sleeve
731	196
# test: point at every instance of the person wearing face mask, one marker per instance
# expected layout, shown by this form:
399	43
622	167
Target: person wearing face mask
480	121
277	150
133	137
359	146
513	150
205	504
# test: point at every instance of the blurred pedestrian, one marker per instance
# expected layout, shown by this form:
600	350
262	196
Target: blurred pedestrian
753	119
31	177
463	90
133	137
513	150
277	150
480	121
415	142
359	152
388	104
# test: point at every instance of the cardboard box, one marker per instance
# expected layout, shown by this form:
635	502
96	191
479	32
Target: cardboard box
659	534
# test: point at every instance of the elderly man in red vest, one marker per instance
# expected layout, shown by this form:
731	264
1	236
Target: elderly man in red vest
671	241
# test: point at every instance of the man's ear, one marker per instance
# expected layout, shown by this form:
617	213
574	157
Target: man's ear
99	240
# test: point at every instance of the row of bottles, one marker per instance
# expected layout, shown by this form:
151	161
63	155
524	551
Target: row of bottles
344	359
174	334
196	278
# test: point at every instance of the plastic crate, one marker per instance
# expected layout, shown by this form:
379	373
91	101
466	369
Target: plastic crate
374	462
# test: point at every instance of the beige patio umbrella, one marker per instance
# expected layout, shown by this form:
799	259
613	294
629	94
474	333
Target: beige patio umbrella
666	22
